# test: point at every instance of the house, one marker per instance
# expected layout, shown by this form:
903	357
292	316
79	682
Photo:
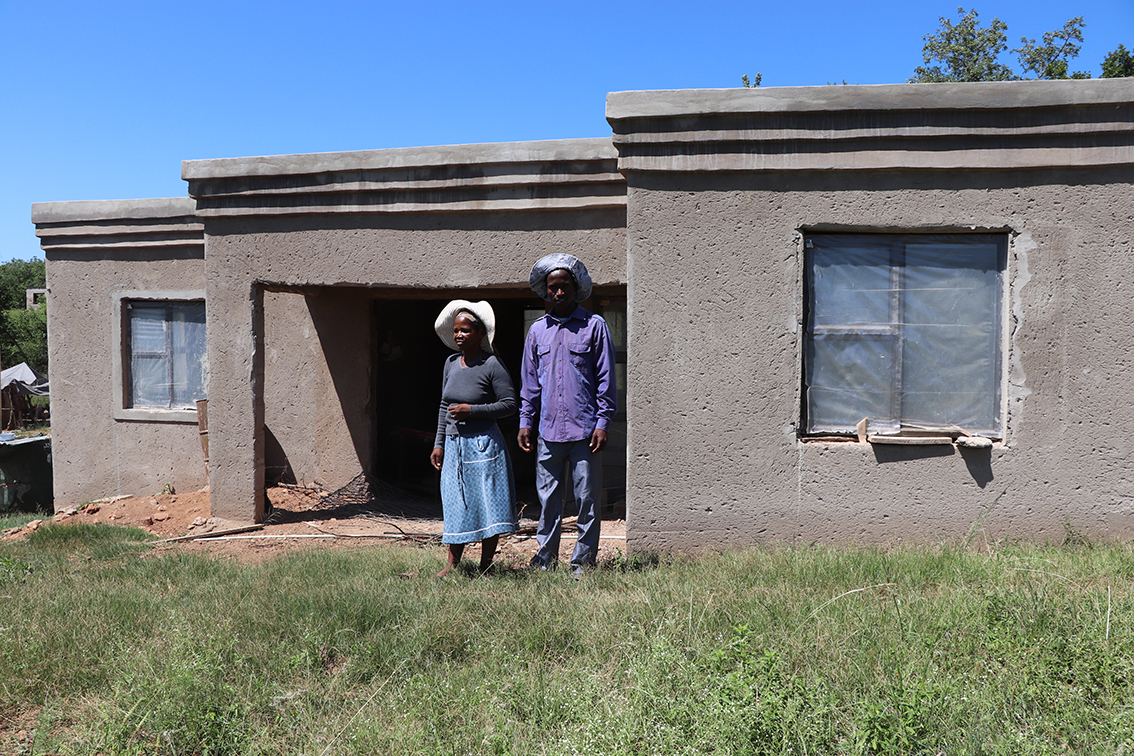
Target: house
851	313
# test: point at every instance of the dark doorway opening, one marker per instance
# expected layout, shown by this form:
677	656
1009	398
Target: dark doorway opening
408	361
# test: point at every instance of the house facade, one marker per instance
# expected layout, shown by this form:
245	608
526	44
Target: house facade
851	314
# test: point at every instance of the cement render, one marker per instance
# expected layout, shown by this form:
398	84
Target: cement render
390	256
715	360
93	454
992	95
554	150
318	385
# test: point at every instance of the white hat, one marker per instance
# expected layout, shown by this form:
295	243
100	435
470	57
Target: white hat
560	261
482	311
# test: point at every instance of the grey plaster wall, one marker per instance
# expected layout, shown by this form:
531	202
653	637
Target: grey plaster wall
93	251
721	183
390	254
318	386
717	260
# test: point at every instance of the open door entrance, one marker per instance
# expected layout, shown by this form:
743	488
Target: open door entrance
408	361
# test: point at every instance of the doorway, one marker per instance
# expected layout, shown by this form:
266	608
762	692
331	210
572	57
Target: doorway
408	360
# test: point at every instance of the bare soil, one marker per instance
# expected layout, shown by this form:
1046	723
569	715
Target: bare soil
297	522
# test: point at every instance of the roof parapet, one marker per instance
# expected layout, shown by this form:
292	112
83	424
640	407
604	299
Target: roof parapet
110	224
548	175
890	127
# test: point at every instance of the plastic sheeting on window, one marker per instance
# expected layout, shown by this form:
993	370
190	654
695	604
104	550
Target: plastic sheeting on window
167	354
903	329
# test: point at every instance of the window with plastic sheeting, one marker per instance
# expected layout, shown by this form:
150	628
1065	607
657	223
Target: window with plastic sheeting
166	354
904	331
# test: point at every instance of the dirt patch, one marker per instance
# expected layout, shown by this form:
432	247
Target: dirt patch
299	522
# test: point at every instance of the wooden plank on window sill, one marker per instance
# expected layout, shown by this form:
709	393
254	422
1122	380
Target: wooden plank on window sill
910	440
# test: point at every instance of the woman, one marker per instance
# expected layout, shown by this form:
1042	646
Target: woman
477	491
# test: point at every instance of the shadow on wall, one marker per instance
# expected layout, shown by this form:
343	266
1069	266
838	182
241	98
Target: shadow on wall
277	467
978	461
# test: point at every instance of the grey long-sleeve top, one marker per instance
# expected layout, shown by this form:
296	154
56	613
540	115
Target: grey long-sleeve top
484	385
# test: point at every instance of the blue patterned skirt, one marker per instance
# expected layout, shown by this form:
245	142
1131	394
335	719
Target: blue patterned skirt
477	491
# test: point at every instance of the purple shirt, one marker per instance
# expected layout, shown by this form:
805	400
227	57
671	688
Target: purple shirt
567	377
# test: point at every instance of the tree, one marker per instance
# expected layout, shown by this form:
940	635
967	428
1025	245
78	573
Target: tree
1050	60
1118	63
23	332
967	51
750	84
17	276
23	337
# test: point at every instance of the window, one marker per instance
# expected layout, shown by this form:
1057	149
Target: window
166	351
903	329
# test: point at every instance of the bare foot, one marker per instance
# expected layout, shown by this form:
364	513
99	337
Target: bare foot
454	558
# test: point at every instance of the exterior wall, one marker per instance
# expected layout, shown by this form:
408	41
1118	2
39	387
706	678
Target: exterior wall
716	299
732	470
402	224
318	386
93	251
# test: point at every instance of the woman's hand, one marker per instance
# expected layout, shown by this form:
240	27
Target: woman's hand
437	457
460	411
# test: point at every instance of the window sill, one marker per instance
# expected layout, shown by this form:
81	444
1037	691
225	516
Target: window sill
909	440
962	442
157	415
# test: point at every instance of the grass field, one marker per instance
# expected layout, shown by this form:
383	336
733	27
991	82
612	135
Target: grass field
107	647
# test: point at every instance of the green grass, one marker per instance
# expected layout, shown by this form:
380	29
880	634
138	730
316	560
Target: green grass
109	649
20	519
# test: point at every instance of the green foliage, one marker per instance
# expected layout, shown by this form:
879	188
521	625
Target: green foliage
23	332
23	338
15	277
11	570
1118	63
968	51
766	651
1050	60
753	83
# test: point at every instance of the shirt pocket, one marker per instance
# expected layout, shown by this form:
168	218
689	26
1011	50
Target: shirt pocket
581	358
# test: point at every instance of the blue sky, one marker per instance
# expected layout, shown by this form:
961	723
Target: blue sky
104	100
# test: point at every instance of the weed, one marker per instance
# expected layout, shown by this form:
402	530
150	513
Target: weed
11	569
770	651
621	562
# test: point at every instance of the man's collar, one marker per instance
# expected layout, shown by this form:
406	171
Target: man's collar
578	312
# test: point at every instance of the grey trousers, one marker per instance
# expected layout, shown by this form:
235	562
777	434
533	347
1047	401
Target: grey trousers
555	463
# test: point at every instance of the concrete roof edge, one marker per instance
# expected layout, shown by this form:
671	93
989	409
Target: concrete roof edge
598	148
91	210
991	95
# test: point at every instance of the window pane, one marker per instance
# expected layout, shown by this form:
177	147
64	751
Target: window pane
949	308
150	381
147	328
946	317
849	378
850	282
167	354
188	354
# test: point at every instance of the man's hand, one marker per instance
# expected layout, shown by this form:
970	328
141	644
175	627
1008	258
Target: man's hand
524	439
437	457
598	440
460	411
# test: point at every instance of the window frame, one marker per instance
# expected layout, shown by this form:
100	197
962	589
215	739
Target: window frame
893	331
123	409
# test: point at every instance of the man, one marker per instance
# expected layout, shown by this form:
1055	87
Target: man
568	395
